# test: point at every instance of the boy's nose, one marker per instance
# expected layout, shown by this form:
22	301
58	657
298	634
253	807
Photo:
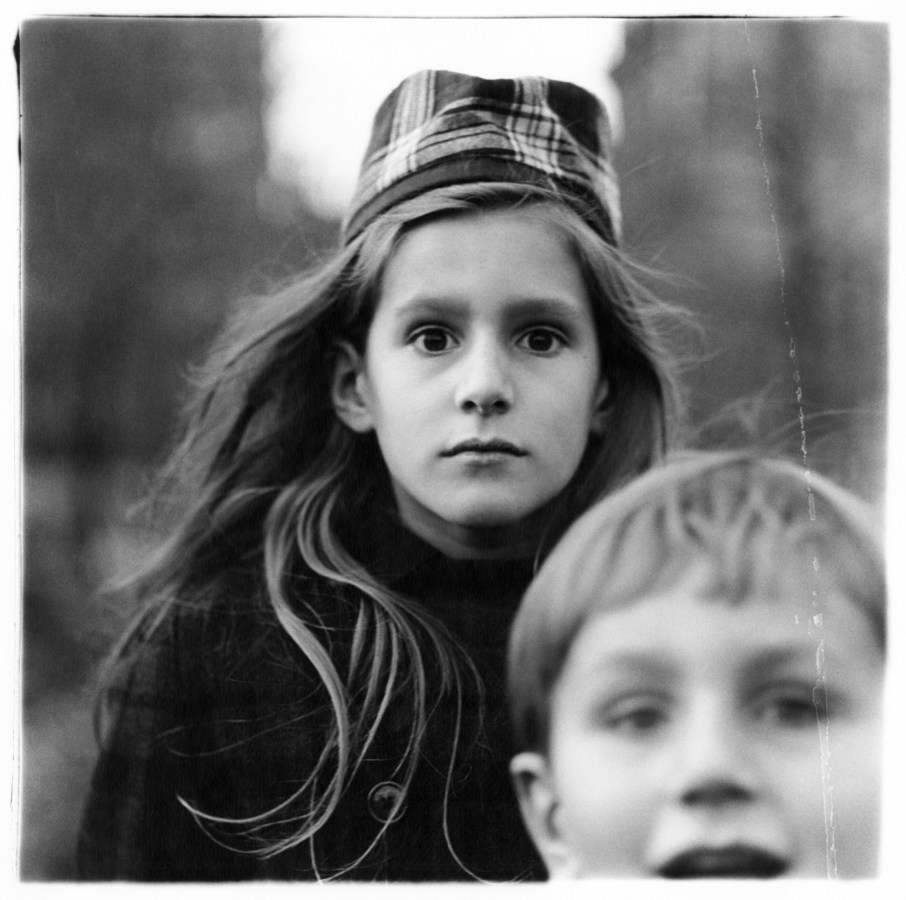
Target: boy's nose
485	386
715	791
712	766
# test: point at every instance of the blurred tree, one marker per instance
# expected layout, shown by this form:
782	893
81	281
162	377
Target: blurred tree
143	161
755	166
146	212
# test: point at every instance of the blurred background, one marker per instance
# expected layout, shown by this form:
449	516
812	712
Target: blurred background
171	166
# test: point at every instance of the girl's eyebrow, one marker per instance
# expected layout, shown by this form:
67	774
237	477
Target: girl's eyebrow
433	306
547	306
523	307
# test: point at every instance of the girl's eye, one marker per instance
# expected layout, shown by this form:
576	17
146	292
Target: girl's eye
433	340
542	340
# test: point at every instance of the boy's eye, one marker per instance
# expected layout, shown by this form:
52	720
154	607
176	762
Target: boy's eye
541	340
432	340
637	717
793	707
641	720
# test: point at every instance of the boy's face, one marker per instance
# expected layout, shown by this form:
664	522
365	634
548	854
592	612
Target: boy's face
684	742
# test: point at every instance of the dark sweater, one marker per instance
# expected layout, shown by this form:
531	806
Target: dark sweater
221	708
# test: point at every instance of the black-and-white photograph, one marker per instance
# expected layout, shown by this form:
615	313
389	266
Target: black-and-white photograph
454	449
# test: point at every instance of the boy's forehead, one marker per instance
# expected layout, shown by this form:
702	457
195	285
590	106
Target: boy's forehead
685	623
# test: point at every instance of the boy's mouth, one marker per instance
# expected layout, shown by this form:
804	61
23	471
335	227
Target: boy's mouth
736	861
474	445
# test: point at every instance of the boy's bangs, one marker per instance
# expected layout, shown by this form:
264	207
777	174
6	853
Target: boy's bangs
746	534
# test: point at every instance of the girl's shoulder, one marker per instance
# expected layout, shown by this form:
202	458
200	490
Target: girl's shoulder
208	690
215	647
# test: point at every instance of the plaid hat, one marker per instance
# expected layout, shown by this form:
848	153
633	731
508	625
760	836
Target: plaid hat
442	128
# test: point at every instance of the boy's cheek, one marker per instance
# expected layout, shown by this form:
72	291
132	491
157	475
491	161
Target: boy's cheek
826	798
605	814
855	778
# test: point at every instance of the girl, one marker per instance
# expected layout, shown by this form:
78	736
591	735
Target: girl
373	463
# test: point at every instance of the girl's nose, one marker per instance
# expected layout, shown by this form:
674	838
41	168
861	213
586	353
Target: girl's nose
485	386
713	765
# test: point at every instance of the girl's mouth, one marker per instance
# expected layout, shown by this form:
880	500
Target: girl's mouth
736	861
474	445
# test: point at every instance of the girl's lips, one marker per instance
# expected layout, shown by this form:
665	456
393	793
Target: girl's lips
474	445
737	861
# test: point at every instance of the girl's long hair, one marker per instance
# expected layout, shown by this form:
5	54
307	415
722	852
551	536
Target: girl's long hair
267	478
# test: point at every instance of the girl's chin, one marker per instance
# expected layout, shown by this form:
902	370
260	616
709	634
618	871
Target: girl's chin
475	532
486	519
478	523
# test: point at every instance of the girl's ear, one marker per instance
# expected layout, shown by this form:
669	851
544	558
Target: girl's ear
541	813
601	414
347	391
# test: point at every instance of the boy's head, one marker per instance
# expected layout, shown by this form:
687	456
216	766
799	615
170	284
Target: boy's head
695	679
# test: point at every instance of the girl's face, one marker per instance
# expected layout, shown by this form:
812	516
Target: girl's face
481	375
685	742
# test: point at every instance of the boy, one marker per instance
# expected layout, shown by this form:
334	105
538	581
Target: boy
696	680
